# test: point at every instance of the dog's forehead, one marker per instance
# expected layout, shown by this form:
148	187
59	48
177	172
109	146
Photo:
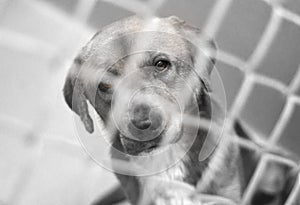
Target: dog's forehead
137	24
135	34
156	41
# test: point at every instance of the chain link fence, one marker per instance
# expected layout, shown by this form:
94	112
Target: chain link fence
265	145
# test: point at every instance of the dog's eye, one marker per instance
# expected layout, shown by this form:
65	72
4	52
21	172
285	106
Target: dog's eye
162	65
104	87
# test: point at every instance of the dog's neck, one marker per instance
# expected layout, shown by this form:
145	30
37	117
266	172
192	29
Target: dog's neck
217	174
188	169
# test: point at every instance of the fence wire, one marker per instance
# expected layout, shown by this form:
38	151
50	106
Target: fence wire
248	67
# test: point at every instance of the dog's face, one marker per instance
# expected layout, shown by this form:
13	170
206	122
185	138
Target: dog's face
144	80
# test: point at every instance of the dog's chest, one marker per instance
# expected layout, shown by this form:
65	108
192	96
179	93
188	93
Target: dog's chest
176	182
178	172
174	165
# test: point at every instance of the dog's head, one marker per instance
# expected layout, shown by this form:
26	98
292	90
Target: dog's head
142	75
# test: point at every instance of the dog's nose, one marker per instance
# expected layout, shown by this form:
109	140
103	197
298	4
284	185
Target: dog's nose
141	116
144	117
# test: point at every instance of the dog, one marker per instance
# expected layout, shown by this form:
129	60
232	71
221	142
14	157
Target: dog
147	89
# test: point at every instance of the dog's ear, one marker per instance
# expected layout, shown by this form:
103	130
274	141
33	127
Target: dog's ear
81	78
74	88
75	95
201	46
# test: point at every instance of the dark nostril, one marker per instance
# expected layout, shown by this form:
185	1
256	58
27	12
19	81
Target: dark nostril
143	125
140	116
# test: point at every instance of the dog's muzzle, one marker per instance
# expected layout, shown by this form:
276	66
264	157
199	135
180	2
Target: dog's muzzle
145	117
146	121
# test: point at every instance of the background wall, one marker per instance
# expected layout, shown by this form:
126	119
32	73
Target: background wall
41	161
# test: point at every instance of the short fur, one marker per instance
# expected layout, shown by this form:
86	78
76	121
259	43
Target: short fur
220	174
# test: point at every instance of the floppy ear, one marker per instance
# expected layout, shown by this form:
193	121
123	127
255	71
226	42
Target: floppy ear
201	47
75	96
96	51
74	91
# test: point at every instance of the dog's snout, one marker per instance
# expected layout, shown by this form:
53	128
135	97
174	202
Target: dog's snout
141	116
144	116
